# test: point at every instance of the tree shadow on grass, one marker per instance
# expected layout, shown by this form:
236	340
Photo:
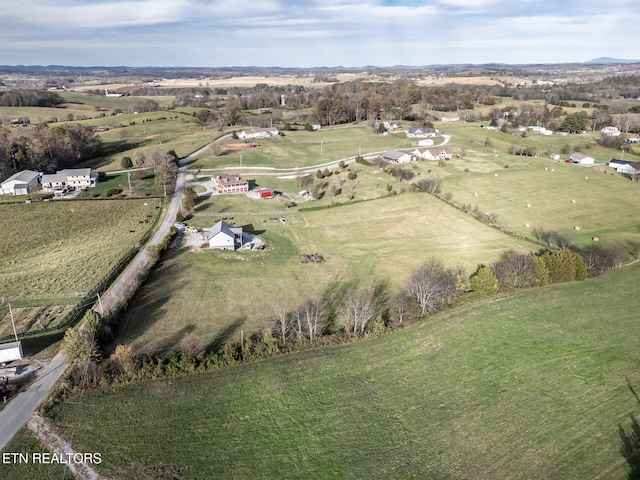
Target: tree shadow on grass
223	337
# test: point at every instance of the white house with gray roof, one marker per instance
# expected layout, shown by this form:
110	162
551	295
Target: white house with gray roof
77	178
224	236
397	156
21	183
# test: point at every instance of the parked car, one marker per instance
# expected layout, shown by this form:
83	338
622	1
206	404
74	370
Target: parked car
191	229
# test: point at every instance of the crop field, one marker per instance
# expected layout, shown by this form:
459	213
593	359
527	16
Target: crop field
61	247
527	386
198	290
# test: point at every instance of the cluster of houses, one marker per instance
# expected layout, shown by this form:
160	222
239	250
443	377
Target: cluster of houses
625	166
28	181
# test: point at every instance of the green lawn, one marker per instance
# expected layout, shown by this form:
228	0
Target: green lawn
527	386
26	443
199	290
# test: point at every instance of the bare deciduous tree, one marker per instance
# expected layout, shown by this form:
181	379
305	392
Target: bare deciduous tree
432	286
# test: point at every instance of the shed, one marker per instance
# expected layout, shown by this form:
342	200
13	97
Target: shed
581	159
10	351
21	183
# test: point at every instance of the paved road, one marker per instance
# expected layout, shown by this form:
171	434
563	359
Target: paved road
17	413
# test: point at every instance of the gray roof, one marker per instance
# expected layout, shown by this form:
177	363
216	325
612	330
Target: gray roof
25	176
75	172
54	178
394	154
223	227
9	346
579	155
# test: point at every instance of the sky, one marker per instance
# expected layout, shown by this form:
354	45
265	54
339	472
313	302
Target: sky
314	33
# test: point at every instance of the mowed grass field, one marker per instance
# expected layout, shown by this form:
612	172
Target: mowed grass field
298	149
215	294
61	247
527	386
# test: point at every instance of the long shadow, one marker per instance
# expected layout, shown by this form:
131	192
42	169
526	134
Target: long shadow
223	337
249	228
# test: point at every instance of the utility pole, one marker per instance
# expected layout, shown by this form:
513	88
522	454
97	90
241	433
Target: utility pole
15	334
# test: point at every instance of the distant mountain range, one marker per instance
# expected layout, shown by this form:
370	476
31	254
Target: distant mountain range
602	60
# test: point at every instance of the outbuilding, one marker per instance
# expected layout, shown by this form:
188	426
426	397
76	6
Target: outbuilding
10	352
224	236
21	183
581	159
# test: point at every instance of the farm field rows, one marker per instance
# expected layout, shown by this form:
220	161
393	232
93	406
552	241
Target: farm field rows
526	386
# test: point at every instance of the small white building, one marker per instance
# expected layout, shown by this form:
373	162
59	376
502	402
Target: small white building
398	156
224	236
258	133
610	131
581	159
21	183
10	352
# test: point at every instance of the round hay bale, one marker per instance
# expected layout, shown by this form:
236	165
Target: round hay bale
475	194
586	178
528	205
552	170
495	175
573	201
595	239
546	168
527	225
577	228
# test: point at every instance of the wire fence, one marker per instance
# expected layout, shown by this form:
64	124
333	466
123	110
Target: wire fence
88	299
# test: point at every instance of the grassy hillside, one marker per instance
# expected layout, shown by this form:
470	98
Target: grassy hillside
65	247
527	386
207	291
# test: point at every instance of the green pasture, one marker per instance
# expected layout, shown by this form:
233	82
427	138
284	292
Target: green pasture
66	246
139	188
198	290
26	443
532	385
299	149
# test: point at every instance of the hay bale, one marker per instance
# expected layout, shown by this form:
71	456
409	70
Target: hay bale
586	178
577	228
552	170
595	239
527	225
495	175
475	194
528	205
573	201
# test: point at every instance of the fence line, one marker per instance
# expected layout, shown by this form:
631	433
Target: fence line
90	297
243	214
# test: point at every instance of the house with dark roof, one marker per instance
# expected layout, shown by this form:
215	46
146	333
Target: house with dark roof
233	183
625	166
21	183
421	132
224	236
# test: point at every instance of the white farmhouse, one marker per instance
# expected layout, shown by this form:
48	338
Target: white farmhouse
258	133
224	236
398	156
21	183
610	131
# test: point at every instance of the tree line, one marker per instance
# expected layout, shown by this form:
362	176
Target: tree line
346	310
46	149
